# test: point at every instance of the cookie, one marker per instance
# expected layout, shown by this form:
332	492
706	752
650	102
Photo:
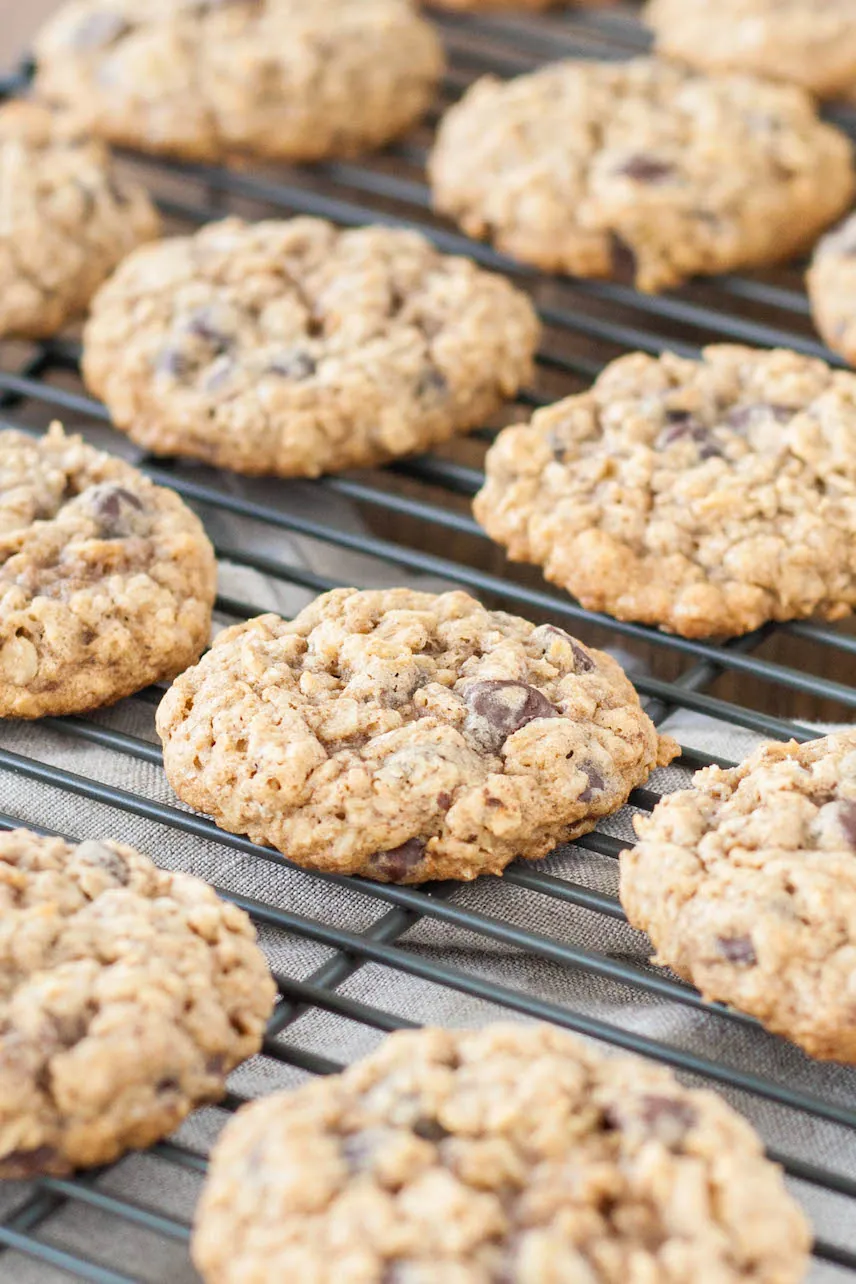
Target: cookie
405	736
831	282
127	994
494	6
106	581
810	44
67	220
513	1153
203	78
292	348
583	165
746	884
706	497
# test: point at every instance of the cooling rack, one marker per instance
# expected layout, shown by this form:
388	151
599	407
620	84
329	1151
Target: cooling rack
414	517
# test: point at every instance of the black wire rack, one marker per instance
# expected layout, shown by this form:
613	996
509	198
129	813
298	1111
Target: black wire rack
770	683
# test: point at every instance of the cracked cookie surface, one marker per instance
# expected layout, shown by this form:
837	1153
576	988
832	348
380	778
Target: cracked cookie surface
127	994
707	497
809	44
512	1153
581	165
831	283
291	348
106	581
405	736
746	884
66	220
279	78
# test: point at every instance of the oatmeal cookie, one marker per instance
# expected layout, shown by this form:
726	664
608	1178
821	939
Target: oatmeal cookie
127	994
294	79
405	736
707	497
831	283
292	348
581	165
746	884
810	44
106	581
66	220
512	1153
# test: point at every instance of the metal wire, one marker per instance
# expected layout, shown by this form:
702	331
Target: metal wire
587	324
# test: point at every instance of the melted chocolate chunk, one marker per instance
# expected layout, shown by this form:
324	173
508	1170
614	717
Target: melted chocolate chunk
99	29
500	707
583	663
117	511
647	169
737	949
172	361
596	784
21	1164
429	1129
847	817
444	800
742	416
397	863
166	1086
294	365
203	323
104	858
685	427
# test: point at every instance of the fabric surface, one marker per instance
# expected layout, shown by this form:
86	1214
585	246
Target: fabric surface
138	1253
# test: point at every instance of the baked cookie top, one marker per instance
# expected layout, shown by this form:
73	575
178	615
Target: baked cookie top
746	884
831	283
515	1152
811	44
405	736
106	581
293	348
581	162
127	994
707	496
67	220
297	79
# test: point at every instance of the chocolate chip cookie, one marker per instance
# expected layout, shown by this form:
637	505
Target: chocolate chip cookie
516	1153
583	165
106	581
494	6
292	348
203	78
127	994
831	282
405	736
746	884
707	497
810	44
67	220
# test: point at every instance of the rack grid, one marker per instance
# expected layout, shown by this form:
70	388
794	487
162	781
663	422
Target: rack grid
772	683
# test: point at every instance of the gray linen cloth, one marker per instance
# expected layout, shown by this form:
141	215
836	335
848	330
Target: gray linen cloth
149	1180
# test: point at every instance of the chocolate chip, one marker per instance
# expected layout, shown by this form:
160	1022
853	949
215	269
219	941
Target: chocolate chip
167	1085
105	859
583	663
398	862
21	1164
117	511
204	324
444	800
596	784
737	949
742	416
645	168
558	449
668	1119
99	29
432	384
500	707
429	1129
294	365
685	427
847	819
